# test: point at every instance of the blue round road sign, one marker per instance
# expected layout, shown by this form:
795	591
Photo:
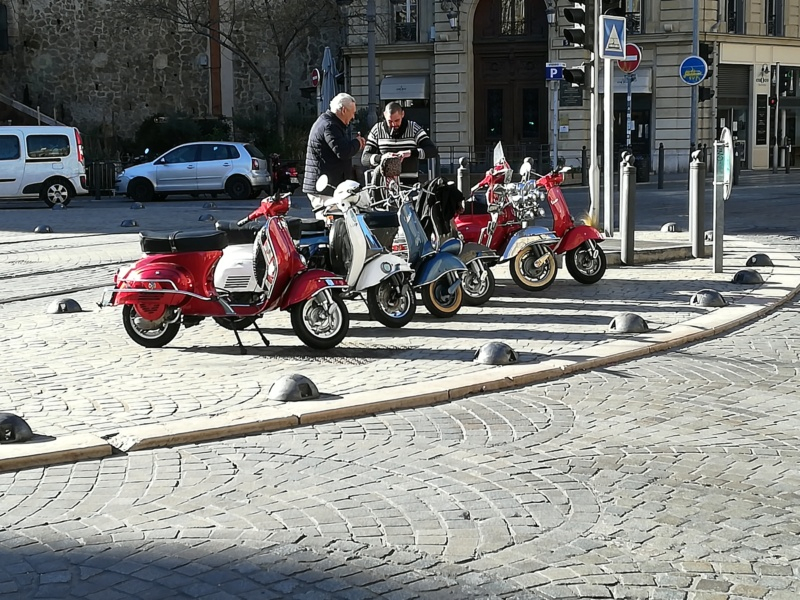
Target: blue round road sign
693	70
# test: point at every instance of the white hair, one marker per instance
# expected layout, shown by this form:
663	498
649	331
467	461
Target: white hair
340	101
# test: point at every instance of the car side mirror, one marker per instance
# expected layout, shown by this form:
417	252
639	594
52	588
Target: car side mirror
161	161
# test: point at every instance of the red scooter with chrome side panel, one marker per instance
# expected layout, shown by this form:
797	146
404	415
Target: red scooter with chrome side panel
585	259
174	283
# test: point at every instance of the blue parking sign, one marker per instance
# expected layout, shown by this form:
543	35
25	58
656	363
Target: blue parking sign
554	71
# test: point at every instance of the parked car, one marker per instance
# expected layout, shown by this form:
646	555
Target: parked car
41	161
236	169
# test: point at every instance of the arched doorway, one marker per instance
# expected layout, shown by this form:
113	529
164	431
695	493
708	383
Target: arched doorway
510	52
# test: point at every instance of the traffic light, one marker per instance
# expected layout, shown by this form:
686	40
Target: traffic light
613	8
773	101
578	76
582	16
786	81
706	51
704	93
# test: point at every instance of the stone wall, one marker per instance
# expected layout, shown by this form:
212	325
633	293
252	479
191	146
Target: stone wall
93	67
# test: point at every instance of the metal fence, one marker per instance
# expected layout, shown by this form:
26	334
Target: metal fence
100	176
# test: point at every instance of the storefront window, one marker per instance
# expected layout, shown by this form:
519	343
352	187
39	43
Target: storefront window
634	16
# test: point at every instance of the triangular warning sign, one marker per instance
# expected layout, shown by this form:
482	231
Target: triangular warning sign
614	44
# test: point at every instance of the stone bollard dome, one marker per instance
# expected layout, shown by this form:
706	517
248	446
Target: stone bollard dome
708	298
294	387
495	353
14	429
759	260
63	305
628	323
747	277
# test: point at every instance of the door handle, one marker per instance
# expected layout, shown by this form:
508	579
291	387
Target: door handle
190	167
226	164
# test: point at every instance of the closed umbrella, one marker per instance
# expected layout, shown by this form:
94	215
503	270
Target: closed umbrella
329	75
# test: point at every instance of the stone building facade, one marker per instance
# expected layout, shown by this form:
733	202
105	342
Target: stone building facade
474	72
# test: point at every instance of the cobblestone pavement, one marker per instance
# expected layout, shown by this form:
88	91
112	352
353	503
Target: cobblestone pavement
671	476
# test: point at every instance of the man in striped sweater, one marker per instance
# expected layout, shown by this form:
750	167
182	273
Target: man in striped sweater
396	134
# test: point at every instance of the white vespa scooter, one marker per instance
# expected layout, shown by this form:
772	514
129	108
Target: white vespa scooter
354	252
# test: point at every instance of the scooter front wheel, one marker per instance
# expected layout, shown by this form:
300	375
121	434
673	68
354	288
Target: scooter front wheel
392	302
532	274
439	301
478	284
586	263
151	335
322	321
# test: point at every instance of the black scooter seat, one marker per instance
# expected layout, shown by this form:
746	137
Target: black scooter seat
172	242
381	219
239	235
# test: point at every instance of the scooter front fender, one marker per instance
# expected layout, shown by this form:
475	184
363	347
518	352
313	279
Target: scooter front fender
307	283
576	236
379	269
533	235
474	251
432	268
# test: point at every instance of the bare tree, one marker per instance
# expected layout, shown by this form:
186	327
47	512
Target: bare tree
262	34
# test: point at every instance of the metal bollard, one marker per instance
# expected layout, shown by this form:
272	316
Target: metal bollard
661	166
627	207
788	158
697	200
736	166
96	176
462	176
584	166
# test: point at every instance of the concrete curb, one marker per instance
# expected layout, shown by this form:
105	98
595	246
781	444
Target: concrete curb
782	284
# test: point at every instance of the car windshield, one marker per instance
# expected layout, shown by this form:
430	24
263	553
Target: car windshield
254	152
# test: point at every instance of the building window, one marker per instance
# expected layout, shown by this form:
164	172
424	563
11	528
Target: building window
405	21
774	17
512	17
634	16
530	113
4	47
494	114
736	16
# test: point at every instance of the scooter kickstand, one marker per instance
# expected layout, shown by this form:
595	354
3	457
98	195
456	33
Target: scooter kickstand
242	349
261	333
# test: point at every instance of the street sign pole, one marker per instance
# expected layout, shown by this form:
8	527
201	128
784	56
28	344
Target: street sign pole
723	168
608	148
556	86
629	77
594	120
777	116
693	91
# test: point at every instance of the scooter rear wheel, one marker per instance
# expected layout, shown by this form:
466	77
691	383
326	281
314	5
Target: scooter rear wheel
527	275
586	264
477	291
438	302
392	303
318	326
149	338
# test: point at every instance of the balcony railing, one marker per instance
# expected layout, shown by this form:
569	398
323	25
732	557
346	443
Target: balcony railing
405	32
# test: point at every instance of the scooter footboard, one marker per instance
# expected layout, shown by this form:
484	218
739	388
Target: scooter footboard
308	283
381	268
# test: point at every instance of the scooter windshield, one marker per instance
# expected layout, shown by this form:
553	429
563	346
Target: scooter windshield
418	243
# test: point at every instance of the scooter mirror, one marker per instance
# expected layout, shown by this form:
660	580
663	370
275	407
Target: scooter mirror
322	183
525	169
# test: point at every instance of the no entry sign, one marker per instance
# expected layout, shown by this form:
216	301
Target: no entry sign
633	58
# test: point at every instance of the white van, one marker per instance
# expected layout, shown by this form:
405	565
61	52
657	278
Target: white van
42	161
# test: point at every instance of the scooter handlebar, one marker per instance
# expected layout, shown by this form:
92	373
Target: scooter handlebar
278	204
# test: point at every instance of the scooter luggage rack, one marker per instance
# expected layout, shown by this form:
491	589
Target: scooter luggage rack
172	289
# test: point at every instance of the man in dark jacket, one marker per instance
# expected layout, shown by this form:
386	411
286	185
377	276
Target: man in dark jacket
396	134
330	151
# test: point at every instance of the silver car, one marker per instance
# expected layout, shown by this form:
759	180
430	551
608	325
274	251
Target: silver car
236	169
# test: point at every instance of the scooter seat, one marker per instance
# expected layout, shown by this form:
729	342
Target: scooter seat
172	242
299	227
239	235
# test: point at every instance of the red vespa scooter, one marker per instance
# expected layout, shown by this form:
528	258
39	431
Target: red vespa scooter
585	259
504	225
174	283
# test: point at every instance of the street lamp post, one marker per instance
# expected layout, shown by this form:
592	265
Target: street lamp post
372	91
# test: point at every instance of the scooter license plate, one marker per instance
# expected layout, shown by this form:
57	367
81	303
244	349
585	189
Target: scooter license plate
294	180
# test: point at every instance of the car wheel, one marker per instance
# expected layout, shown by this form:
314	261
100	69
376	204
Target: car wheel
238	188
56	191
141	190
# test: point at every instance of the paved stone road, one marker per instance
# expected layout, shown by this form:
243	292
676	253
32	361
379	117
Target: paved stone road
672	476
